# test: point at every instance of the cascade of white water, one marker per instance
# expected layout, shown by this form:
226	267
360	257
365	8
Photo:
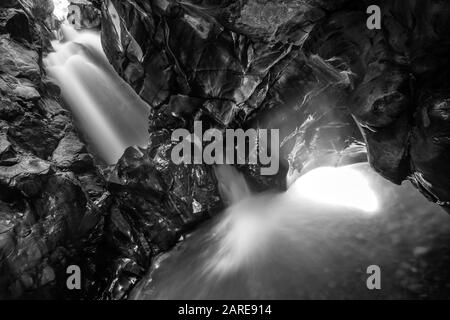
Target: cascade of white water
313	241
108	111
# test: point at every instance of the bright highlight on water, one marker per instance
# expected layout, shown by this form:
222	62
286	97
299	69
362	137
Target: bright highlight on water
343	186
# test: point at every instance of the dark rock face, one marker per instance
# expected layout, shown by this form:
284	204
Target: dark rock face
50	191
310	68
154	203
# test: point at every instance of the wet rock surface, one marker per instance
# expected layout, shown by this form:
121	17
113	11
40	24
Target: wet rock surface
49	208
309	68
154	203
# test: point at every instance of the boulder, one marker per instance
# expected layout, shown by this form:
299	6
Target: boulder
27	176
71	154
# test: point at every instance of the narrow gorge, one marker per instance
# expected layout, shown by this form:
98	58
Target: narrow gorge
91	92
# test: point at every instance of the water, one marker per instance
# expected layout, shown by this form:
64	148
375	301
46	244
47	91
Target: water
109	113
313	242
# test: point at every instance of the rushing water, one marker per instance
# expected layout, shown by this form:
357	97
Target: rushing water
110	114
314	241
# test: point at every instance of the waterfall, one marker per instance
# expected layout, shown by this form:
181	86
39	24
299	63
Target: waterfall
110	114
314	241
232	185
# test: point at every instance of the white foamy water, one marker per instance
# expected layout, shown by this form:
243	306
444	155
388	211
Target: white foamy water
61	9
110	114
313	241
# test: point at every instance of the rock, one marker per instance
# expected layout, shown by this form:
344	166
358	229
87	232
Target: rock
154	202
27	176
10	4
48	275
18	25
9	110
71	154
26	91
36	135
22	90
51	107
6	149
39	9
124	278
17	60
63	199
134	171
279	21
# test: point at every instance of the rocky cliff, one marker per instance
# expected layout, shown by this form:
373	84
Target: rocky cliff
51	194
312	69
